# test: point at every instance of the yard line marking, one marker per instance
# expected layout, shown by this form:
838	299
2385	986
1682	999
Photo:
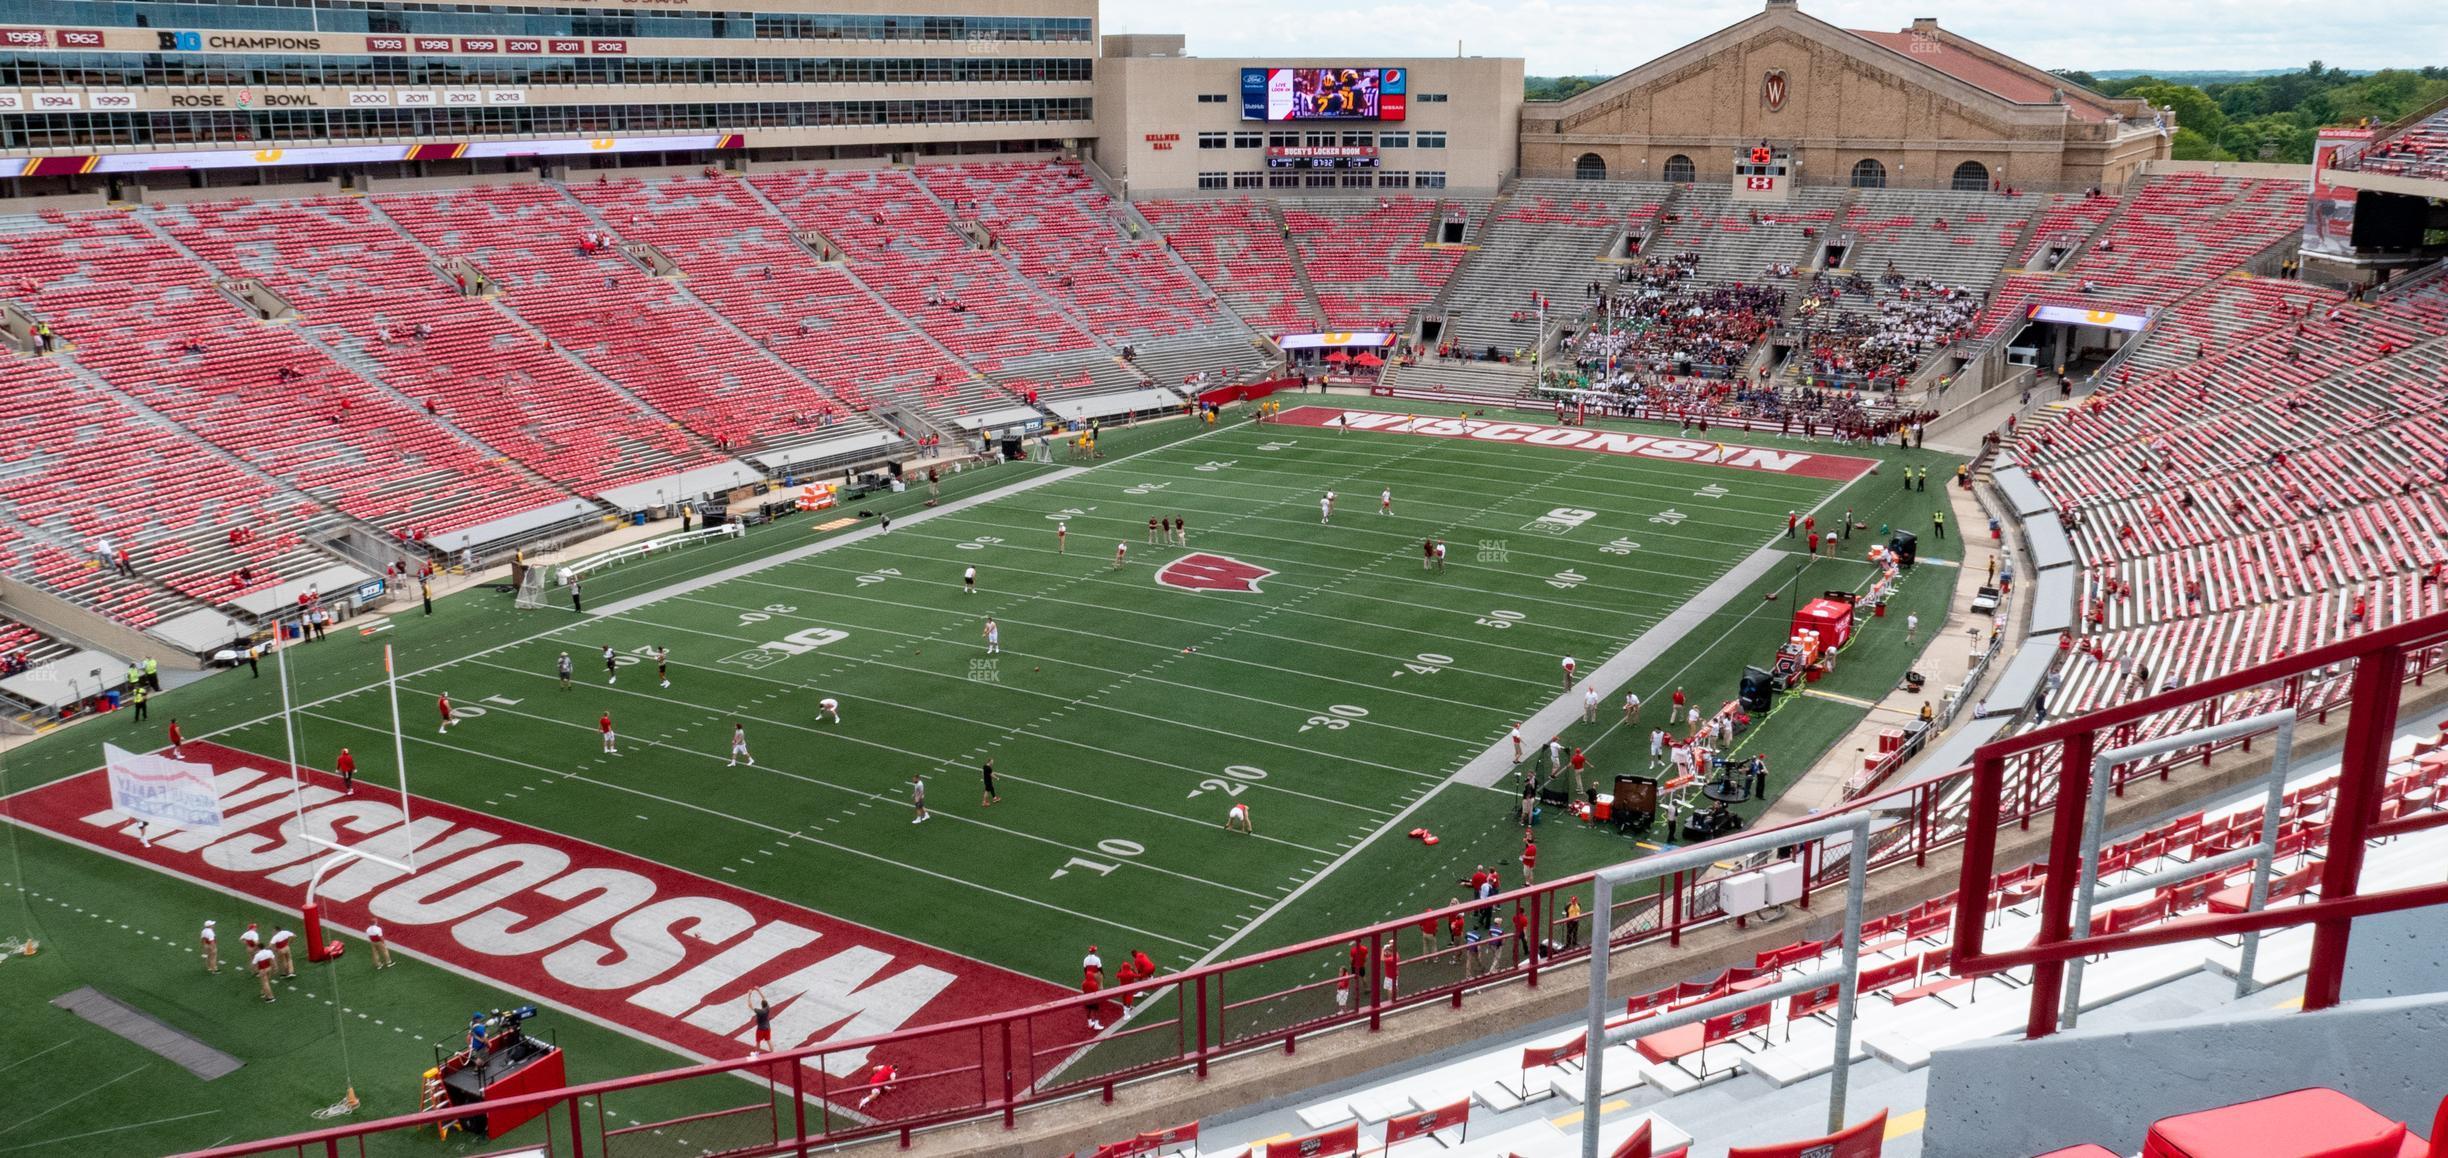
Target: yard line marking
748	567
77	1098
676	803
113	1130
845	789
988	724
1167	720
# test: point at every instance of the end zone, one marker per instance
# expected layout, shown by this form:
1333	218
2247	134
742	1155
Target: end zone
1698	452
665	955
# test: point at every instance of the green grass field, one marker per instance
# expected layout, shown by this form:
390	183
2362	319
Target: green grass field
1123	717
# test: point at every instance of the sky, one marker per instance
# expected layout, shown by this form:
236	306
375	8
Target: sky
1604	37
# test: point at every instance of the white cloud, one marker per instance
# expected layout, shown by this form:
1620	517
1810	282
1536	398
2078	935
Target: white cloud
1573	37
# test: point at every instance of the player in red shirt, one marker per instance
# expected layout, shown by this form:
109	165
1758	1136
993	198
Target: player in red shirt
346	765
1090	982
1389	964
175	738
1678	701
610	743
1521	929
1428	927
1359	957
447	719
879	1082
1124	975
1814	542
1147	968
1529	859
1453	926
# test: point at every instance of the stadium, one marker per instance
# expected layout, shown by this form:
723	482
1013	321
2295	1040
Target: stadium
1822	594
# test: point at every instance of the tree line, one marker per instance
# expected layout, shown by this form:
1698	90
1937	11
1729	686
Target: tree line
2273	118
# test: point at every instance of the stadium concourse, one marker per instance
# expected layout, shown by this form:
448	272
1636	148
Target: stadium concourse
1654	423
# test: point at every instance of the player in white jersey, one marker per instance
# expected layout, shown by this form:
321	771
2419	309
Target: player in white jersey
829	706
739	745
969	581
994	637
1385	501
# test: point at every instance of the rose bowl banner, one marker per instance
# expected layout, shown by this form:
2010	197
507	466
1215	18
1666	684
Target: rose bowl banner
1698	451
666	955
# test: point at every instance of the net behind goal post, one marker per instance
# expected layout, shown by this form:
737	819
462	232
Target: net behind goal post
531	588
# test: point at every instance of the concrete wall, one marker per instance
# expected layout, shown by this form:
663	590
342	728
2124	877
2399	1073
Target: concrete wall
2398	955
2107	1086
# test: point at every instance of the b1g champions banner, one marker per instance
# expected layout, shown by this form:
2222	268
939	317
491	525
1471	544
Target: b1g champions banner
2329	214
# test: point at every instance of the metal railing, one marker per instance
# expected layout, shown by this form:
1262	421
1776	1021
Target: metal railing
1185	1023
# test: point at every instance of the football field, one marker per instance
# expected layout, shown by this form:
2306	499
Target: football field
1311	667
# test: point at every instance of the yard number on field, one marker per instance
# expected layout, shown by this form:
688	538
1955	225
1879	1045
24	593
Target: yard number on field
1286	444
1500	620
1110	846
979	544
1429	663
1567	580
1619	547
881	574
1336	718
771	610
1240	774
1211	466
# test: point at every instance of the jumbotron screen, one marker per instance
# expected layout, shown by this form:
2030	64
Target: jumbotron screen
1322	94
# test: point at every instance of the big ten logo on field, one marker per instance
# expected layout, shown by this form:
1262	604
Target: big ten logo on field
1559	521
1205	572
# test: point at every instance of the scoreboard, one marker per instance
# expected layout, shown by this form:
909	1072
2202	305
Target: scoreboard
1322	157
1762	173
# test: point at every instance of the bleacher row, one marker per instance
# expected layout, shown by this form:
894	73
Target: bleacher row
2174	234
460	357
1909	1003
2420	151
2288	490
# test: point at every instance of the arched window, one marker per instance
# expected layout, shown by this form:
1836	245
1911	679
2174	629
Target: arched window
1590	167
1869	174
1971	177
1679	169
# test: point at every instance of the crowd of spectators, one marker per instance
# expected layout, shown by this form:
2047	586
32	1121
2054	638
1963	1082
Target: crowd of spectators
1662	320
1846	340
1697	403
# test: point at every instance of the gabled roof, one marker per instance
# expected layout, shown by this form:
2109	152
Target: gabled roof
2021	86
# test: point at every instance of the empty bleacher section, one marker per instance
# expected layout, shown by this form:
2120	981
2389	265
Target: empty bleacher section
610	312
2231	311
1743	243
2290	490
366	293
2176	233
1069	240
2066	221
742	261
1370	259
1237	245
85	475
1548	238
896	238
141	316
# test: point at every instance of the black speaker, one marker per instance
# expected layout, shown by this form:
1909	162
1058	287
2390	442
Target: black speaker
1906	546
1758	690
1635	794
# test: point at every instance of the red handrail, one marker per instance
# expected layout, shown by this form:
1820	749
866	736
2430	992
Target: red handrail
1203	1013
